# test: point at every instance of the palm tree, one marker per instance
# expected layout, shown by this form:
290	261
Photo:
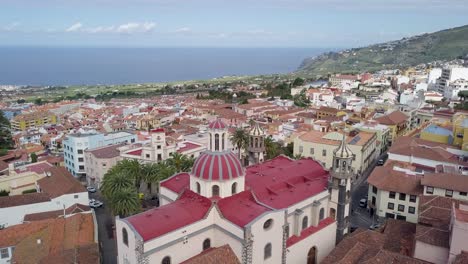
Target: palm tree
132	168
150	175
113	183
125	202
271	147
180	162
240	138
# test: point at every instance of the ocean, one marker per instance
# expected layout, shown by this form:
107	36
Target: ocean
99	65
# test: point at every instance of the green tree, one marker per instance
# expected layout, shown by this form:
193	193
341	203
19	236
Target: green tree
272	148
181	163
5	135
301	99
298	82
33	157
240	139
38	101
115	181
125	202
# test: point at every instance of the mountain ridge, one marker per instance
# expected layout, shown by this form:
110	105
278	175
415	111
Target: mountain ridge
445	44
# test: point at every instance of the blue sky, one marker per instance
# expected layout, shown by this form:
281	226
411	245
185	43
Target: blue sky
223	23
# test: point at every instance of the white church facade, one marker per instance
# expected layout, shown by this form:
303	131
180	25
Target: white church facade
277	211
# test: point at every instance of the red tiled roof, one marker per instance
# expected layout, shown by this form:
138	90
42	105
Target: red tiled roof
223	254
188	146
393	118
135	152
177	183
217	166
36	167
241	208
76	208
106	152
281	182
309	231
188	209
17	200
60	182
385	178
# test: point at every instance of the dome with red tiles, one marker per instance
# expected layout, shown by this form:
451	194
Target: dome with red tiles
217	124
218	166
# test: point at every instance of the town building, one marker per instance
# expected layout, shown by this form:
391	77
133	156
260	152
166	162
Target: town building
262	213
452	90
99	160
320	146
57	191
25	121
397	121
449	75
75	145
382	132
51	238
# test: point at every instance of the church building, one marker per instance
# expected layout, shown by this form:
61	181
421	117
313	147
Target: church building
276	211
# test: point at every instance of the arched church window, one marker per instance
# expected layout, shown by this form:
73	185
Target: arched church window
222	142
234	188
166	260
216	142
267	251
211	142
125	236
198	188
256	142
215	190
206	244
321	214
305	222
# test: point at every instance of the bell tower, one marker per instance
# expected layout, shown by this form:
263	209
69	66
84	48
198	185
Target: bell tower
256	147
339	186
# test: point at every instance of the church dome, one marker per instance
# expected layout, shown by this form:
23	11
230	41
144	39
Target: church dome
217	124
217	166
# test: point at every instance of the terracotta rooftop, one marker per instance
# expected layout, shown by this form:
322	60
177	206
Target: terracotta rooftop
106	152
394	118
223	254
241	208
411	146
393	245
385	178
450	181
76	208
70	237
335	138
17	200
60	182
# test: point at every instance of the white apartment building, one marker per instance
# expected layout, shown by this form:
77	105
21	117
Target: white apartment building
450	75
454	88
74	146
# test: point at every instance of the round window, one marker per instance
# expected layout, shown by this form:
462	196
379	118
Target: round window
268	223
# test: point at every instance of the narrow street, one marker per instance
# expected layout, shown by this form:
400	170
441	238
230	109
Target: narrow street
360	217
107	242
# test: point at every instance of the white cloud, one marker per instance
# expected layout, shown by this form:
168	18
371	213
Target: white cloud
183	30
11	27
75	27
136	27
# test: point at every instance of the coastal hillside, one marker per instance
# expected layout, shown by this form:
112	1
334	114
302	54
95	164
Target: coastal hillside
442	45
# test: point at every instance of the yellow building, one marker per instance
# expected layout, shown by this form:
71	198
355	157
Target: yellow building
31	120
460	131
397	122
320	146
437	134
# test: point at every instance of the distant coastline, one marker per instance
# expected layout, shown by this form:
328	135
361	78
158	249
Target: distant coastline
43	66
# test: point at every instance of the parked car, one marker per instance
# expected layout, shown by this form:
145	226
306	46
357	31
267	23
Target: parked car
363	203
374	226
381	162
91	189
95	203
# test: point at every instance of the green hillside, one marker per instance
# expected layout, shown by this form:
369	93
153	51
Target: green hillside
442	45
